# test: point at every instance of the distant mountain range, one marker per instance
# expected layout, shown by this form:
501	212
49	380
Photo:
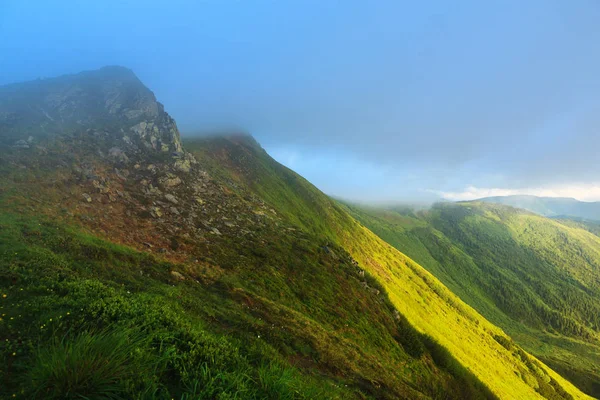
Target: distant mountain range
550	206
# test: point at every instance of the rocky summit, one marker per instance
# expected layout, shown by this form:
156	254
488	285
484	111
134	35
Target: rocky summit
108	102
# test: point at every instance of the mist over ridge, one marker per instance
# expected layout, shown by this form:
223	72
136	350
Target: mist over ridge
373	103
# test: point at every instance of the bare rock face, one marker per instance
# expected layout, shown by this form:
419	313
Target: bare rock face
110	102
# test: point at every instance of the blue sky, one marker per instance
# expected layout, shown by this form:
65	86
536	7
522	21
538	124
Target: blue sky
375	101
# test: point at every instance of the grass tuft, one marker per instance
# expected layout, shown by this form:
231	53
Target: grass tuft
89	365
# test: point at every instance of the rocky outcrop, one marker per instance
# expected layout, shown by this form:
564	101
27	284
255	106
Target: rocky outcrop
110	102
121	168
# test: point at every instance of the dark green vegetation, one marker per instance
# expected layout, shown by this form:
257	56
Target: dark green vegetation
133	268
537	278
551	206
83	316
241	161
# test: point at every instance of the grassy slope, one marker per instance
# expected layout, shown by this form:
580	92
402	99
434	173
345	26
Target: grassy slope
417	294
537	278
550	206
590	226
282	314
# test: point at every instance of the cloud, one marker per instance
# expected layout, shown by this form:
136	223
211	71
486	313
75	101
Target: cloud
346	176
425	95
582	192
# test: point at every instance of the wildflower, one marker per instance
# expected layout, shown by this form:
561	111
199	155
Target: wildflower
4	296
14	354
68	313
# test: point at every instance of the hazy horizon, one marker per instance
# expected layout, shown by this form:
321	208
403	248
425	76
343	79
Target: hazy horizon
373	102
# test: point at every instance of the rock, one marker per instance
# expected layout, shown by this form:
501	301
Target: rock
118	154
41	150
177	276
101	188
361	273
21	144
123	174
397	315
170	198
183	165
92	101
229	224
216	231
87	197
159	133
170	180
152	190
174	210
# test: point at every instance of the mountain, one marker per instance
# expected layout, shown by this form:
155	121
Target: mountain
550	206
537	278
133	265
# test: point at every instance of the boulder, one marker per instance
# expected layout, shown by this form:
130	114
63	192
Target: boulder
170	198
117	154
177	276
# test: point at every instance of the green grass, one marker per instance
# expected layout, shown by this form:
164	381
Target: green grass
307	307
86	317
79	319
534	277
96	365
424	301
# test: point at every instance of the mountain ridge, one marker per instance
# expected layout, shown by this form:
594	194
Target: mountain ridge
250	255
535	277
550	206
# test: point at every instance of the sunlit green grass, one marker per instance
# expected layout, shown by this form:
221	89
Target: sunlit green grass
533	276
420	297
284	315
